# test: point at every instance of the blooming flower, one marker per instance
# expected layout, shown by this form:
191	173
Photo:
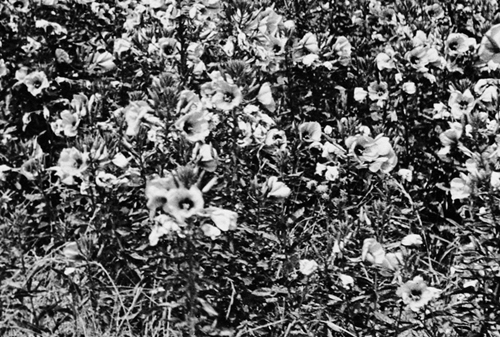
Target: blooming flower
307	267
273	188
35	82
360	94
227	96
459	44
165	225
416	294
377	153
310	132
156	193
378	92
309	42
182	203
72	163
461	103
459	188
489	49
135	113
194	126
265	97
412	240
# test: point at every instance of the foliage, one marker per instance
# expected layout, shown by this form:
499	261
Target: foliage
249	168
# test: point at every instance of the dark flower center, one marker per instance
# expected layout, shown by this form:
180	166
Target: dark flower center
37	83
228	97
186	204
78	162
453	45
415	294
188	127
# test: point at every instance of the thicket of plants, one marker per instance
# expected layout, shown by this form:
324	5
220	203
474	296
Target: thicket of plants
249	168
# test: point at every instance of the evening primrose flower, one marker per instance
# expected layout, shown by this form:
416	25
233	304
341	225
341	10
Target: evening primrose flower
265	97
182	203
360	94
135	113
273	188
489	49
412	240
459	44
310	132
164	225
194	126
69	123
378	92
156	193
377	153
35	82
72	163
227	96
416	294
461	103
459	188
307	267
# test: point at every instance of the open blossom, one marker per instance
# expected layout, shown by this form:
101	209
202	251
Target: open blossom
182	203
461	103
374	253
307	267
489	50
227	96
378	92
36	81
273	188
194	126
310	132
459	44
377	153
459	188
136	113
416	294
72	163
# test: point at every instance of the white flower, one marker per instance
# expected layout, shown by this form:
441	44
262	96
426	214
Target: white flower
307	267
412	240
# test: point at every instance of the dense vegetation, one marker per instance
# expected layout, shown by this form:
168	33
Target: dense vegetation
249	168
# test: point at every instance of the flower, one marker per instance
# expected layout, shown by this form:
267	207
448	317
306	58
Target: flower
100	60
182	203
72	163
360	94
36	81
459	188
416	294
273	188
495	180
412	240
461	103
194	126
459	44
227	96
377	153
135	113
165	225
386	60
224	219
409	88
69	123
489	49
310	132
156	193
378	92
373	251
332	173
309	42
307	267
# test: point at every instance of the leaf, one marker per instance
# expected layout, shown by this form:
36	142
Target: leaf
336	328
207	307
